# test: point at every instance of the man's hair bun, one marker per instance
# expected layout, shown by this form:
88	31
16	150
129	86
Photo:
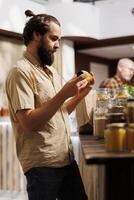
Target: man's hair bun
29	13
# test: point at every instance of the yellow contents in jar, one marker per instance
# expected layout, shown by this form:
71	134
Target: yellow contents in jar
115	139
85	74
89	77
122	95
130	137
102	97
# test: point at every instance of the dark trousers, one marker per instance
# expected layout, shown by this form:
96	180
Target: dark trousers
45	183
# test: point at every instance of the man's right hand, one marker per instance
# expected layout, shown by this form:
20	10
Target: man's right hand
73	86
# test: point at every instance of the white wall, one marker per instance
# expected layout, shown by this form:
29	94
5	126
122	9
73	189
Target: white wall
100	71
12	15
68	71
77	19
105	19
116	18
68	65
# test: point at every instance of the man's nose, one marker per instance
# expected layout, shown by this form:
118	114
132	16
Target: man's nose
57	44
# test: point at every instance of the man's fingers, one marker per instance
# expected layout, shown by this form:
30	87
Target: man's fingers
82	83
78	79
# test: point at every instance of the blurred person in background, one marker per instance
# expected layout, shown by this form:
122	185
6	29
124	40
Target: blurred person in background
39	114
124	74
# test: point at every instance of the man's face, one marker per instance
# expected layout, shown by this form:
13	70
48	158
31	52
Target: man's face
48	45
127	72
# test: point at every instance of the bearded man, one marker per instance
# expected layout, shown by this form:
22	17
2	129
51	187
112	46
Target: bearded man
39	114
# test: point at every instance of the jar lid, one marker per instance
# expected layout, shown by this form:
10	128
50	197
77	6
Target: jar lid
116	125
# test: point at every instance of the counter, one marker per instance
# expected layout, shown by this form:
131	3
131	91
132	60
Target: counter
118	169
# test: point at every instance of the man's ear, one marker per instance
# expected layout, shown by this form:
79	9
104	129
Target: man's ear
36	36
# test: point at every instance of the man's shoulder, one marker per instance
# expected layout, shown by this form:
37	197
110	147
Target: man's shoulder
21	67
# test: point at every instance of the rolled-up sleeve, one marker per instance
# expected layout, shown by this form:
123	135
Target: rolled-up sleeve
20	91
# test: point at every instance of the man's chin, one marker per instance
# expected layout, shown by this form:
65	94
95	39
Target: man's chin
48	62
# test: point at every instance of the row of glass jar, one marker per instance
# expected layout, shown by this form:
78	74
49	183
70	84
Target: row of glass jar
110	118
119	137
119	130
107	114
111	110
103	94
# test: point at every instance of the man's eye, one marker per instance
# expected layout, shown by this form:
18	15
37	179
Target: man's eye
53	39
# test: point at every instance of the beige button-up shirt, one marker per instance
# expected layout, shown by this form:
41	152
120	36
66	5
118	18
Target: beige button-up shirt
28	87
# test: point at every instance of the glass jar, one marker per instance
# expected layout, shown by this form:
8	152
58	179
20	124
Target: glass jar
130	137
99	121
102	94
102	97
115	137
116	114
121	96
115	118
122	93
130	110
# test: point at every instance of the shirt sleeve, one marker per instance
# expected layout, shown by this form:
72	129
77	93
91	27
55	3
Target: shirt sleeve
20	90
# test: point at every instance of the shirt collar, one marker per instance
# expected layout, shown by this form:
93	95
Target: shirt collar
119	81
32	59
35	62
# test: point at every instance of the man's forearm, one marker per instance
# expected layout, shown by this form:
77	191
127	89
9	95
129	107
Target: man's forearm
35	119
72	103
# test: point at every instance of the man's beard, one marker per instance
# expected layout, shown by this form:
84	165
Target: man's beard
46	57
